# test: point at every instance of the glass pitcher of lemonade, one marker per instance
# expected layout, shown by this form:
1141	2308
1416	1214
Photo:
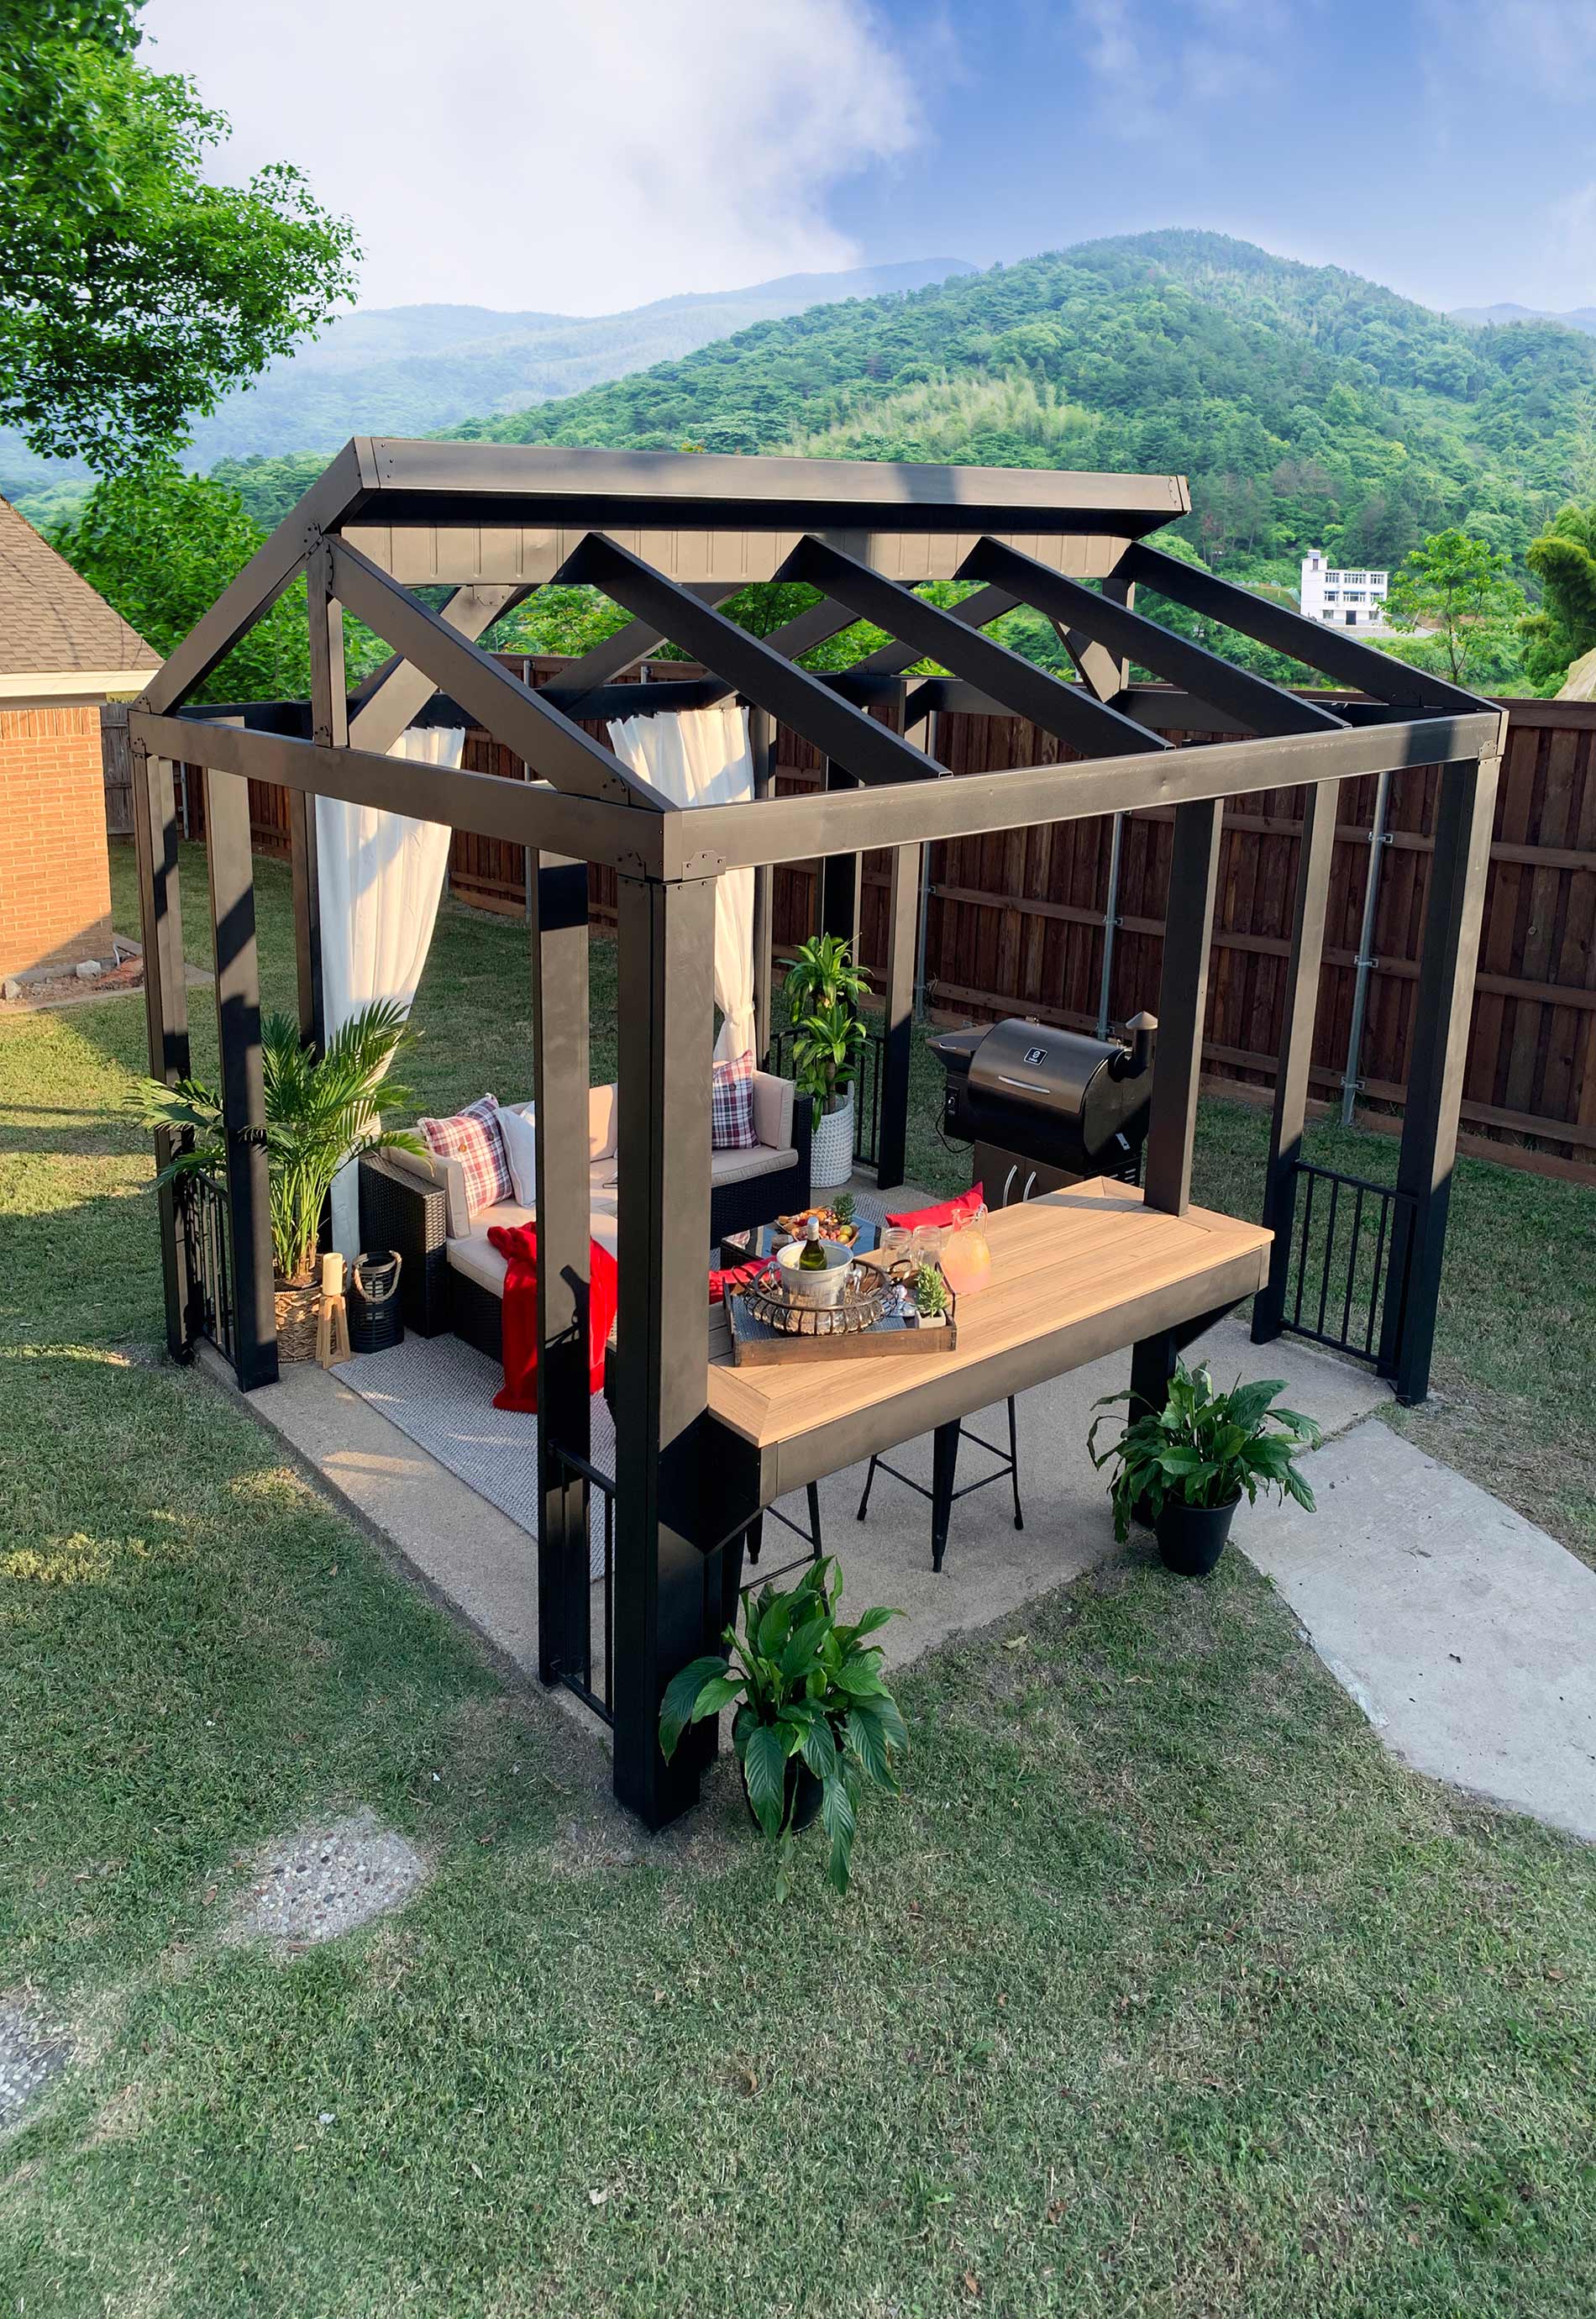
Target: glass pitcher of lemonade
967	1256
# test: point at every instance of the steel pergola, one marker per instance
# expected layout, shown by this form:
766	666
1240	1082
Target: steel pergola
668	537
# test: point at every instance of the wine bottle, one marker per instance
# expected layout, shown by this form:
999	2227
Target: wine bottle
812	1258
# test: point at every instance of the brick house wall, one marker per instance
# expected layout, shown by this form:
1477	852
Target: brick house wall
55	883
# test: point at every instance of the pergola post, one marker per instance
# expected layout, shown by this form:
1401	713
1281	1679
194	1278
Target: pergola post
762	746
1443	1010
166	997
903	920
557	899
667	1590
1183	1002
839	897
330	726
243	1095
1320	807
904	876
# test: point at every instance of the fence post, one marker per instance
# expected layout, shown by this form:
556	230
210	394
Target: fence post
1296	1050
1442	1013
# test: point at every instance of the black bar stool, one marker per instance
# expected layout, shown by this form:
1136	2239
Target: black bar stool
944	1468
755	1537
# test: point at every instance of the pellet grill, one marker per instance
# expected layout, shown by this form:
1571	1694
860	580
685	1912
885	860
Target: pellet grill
1043	1106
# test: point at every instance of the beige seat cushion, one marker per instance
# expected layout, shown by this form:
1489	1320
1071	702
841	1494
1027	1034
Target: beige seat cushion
472	1254
739	1167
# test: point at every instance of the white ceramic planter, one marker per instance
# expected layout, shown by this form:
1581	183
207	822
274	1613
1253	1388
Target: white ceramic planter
831	1149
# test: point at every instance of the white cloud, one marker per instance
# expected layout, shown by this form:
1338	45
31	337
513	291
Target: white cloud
1163	67
1546	46
575	155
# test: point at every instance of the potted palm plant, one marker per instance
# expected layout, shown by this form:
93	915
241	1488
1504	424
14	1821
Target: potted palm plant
816	1725
1185	1467
824	988
321	1112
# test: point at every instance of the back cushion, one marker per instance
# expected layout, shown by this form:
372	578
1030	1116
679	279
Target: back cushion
731	1107
473	1137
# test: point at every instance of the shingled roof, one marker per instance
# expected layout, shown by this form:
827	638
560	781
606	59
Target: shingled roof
51	621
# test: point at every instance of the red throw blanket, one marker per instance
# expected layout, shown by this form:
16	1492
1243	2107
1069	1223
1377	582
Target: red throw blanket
518	1244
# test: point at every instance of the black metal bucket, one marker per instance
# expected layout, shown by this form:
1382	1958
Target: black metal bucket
375	1321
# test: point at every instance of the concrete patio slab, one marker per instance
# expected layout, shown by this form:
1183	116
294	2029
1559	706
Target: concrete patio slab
1465	1634
483	1565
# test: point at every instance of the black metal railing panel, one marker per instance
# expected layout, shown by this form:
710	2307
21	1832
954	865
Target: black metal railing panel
203	1220
1346	1285
867	1087
584	1662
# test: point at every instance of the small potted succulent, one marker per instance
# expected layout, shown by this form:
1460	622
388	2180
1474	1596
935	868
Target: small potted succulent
1185	1467
815	1726
823	989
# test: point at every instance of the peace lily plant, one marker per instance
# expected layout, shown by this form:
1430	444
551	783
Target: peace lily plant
812	1713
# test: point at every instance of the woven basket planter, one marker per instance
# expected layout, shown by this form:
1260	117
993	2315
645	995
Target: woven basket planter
831	1149
296	1311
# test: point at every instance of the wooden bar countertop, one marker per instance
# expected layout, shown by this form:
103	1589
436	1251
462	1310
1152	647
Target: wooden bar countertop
1058	1263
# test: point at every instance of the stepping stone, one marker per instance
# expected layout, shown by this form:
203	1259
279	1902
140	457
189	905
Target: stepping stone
326	1880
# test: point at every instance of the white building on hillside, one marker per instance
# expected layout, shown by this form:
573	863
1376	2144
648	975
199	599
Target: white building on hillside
1343	599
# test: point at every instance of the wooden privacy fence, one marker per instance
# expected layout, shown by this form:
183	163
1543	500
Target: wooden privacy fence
1023	922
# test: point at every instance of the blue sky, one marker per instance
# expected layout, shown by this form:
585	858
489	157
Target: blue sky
1446	149
603	153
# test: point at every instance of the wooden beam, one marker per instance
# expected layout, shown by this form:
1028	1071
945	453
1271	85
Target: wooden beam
394	695
340	491
523	720
860	744
243	1088
527	813
1296	1051
1183	1002
1068	711
1257	706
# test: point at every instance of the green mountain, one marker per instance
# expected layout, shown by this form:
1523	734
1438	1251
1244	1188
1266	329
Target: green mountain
409	370
1307	405
1577	317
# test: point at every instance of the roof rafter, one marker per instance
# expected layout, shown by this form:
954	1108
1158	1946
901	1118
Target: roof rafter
338	491
394	694
858	743
1330	650
1068	712
522	719
1266	707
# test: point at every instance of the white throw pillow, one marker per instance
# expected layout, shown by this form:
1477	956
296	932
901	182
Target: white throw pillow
520	1142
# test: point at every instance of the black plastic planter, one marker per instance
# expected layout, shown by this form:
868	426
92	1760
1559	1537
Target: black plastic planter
800	1796
1191	1538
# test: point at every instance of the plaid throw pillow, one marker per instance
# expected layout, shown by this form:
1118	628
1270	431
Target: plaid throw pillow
473	1137
731	1105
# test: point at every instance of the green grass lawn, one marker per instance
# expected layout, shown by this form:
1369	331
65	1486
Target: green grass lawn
1163	1990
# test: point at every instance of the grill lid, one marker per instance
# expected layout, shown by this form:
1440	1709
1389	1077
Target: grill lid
1035	1065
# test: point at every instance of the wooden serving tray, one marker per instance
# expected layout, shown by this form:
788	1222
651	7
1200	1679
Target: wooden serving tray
755	1344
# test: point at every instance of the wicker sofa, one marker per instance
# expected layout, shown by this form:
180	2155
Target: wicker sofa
453	1280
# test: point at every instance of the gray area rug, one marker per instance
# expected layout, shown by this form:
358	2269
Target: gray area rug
440	1393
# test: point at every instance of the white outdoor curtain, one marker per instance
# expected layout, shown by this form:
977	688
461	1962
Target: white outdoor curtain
700	756
381	875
